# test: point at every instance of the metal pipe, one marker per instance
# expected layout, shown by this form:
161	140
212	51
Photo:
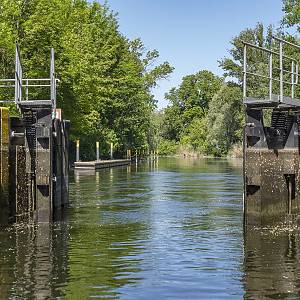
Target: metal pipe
292	80
259	48
28	85
7	80
285	42
270	75
285	82
245	72
16	74
285	71
258	75
37	79
27	90
268	51
281	71
53	82
38	85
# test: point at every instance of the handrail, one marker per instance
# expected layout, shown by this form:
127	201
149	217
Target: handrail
19	83
293	72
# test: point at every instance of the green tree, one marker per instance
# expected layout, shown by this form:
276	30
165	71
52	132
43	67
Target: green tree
195	136
189	101
291	9
224	120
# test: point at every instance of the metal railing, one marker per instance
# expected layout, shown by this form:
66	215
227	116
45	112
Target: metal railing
282	61
21	85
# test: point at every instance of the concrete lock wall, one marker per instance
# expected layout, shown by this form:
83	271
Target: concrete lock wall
271	169
4	152
18	177
34	165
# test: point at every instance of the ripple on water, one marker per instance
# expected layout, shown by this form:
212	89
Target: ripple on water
170	230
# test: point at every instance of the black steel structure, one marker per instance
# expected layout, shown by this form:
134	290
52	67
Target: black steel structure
38	149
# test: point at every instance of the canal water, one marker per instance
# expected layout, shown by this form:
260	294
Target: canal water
167	229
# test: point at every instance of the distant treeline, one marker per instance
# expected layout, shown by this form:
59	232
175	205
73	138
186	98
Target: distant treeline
206	115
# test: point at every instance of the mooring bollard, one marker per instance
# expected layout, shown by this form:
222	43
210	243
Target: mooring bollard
97	151
111	150
77	150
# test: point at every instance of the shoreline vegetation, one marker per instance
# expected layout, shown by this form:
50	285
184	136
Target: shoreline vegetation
235	152
106	80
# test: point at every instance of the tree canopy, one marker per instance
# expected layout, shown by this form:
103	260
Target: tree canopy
106	79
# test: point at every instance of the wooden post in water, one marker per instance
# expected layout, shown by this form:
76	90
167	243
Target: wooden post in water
77	150
111	150
97	151
136	156
129	154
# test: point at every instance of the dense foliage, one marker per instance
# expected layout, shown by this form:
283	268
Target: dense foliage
106	79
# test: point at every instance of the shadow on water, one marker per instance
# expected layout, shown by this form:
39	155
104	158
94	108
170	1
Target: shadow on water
272	264
33	260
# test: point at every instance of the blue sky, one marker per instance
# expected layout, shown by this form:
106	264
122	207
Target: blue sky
192	34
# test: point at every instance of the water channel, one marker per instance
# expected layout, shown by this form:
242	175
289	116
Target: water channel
167	229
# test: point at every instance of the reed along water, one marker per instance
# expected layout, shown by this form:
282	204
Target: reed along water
166	229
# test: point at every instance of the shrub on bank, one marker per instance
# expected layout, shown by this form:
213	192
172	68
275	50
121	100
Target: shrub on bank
167	147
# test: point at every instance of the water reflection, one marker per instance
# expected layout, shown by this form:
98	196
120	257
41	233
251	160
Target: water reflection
106	237
33	259
166	229
272	264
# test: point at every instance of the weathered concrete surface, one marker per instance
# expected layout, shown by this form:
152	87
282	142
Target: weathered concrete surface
272	187
44	165
33	174
4	174
271	264
271	167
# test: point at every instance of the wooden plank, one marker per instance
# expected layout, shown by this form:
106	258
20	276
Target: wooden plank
84	165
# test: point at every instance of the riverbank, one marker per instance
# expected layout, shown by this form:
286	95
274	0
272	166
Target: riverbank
235	152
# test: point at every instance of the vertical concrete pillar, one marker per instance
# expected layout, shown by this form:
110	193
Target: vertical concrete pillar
44	172
65	162
271	168
4	173
18	177
57	164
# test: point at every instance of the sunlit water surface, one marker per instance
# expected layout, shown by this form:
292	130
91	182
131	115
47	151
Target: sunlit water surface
169	229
